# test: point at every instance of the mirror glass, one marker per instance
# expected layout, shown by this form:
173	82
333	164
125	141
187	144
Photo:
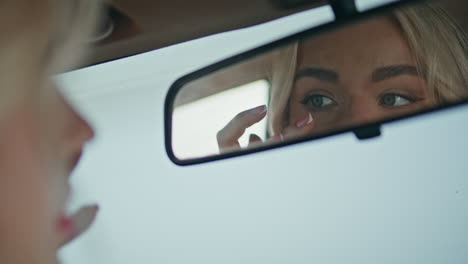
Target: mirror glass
386	66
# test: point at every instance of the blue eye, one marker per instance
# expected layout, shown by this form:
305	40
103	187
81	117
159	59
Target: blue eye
317	101
395	100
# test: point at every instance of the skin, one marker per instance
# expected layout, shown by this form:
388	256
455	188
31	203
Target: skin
355	75
36	160
41	141
358	74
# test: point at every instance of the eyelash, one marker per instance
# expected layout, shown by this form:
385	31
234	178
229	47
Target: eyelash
411	99
307	98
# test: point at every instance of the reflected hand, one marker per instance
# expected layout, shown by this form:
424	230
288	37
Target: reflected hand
228	137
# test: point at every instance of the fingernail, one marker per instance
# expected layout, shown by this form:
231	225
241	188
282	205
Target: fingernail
259	110
278	137
311	118
305	121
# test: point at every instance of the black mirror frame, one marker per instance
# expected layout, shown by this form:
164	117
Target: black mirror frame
362	131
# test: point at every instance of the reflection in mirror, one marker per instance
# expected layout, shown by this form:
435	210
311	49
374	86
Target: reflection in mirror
387	66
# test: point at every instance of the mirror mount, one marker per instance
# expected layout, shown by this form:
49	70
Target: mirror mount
343	8
289	4
368	132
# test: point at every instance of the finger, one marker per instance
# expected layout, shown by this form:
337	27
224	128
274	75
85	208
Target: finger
302	127
81	221
228	136
275	139
254	139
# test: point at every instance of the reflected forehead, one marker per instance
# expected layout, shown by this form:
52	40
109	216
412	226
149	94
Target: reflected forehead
375	43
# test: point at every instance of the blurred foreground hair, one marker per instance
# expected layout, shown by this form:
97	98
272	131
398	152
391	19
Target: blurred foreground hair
39	38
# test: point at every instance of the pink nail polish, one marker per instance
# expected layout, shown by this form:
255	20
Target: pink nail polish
305	121
259	110
311	118
302	122
276	138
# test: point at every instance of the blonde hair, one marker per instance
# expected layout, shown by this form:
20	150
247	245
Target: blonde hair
435	40
40	38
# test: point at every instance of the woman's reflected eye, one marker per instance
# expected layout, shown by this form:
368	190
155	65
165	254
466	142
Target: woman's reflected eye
394	100
317	101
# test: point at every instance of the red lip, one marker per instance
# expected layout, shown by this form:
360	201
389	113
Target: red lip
66	225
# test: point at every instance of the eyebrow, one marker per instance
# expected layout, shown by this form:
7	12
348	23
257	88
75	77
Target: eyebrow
318	73
378	75
388	72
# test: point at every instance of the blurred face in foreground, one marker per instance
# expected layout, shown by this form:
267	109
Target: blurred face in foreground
41	141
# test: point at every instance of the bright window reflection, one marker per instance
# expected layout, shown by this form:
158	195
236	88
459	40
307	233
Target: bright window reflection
196	124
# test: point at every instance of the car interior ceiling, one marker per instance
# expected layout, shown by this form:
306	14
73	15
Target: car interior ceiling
143	25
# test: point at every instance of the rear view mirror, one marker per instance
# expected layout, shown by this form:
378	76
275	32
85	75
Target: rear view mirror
352	75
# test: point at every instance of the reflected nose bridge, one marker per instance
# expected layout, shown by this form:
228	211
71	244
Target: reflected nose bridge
361	109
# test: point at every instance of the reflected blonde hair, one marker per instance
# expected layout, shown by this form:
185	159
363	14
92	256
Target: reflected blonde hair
40	38
437	43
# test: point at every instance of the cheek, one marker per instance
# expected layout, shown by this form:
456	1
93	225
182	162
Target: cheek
27	215
324	120
296	112
54	121
26	218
